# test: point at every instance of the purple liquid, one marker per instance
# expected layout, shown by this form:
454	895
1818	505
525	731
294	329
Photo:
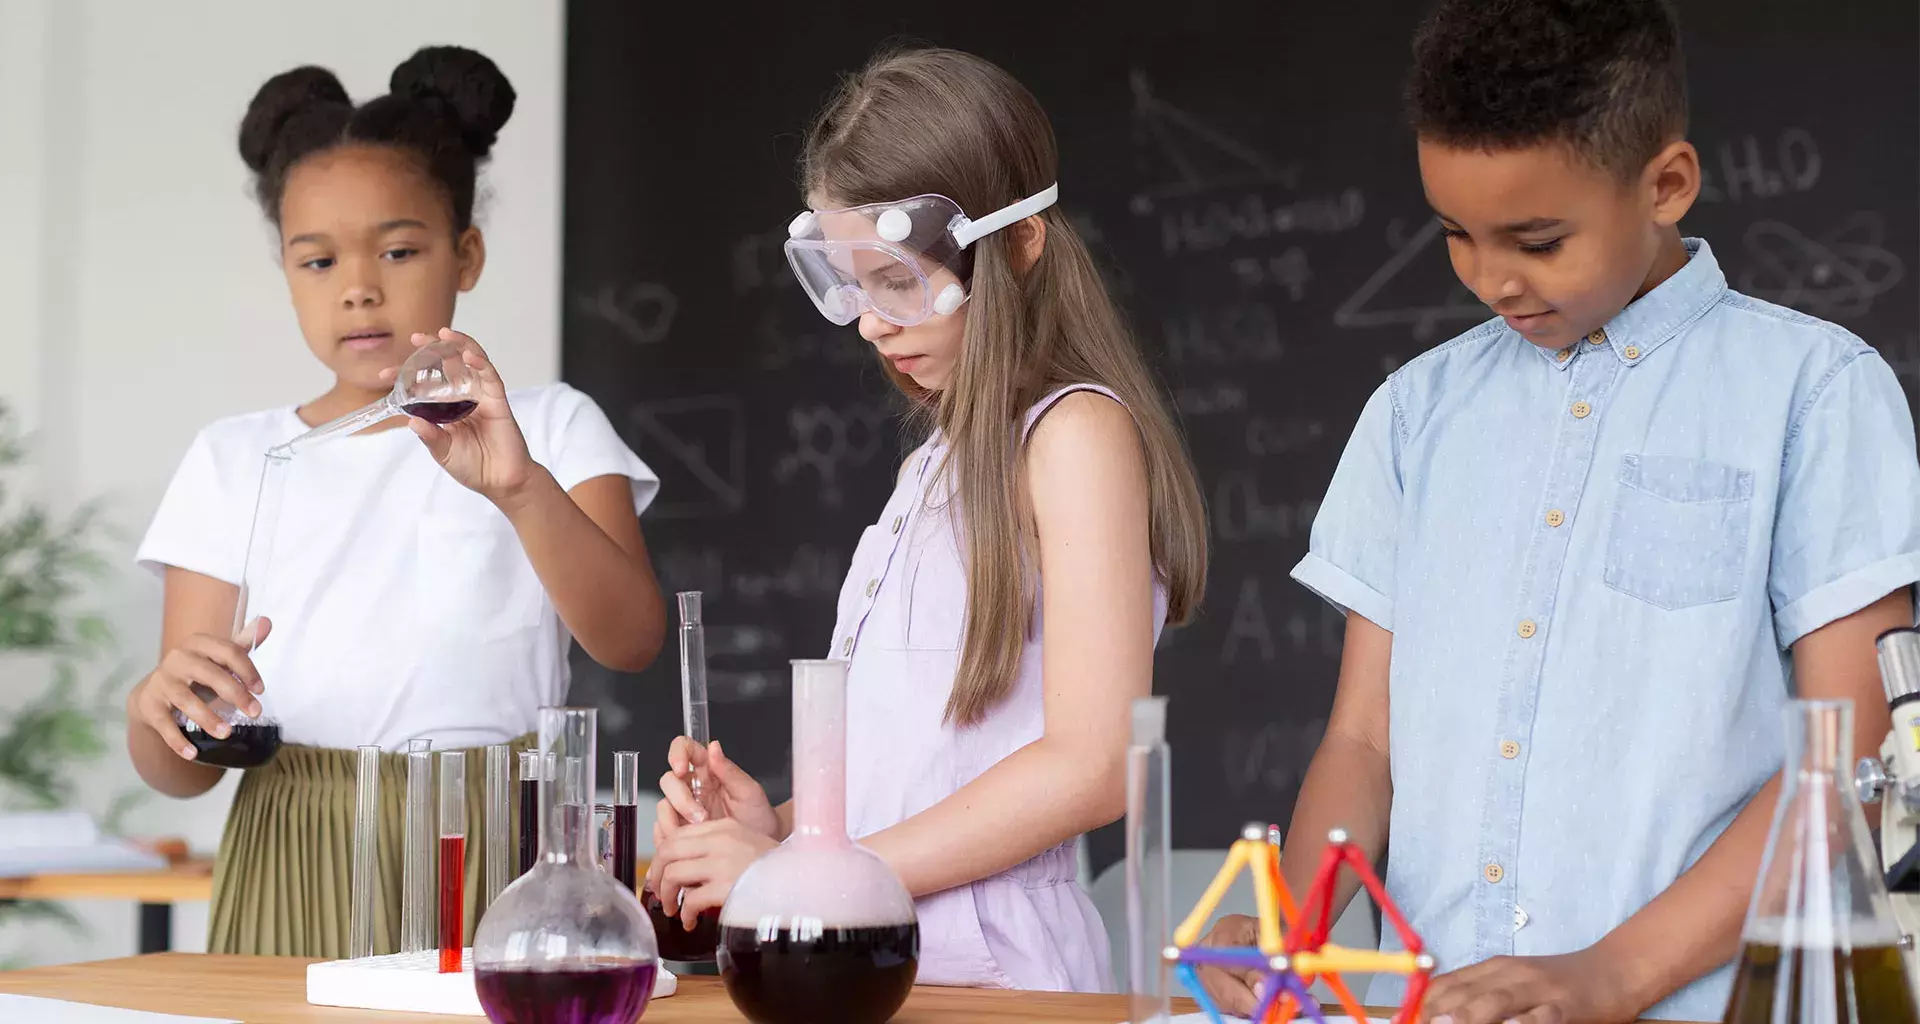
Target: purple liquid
592	993
442	413
845	975
246	746
626	823
529	824
676	942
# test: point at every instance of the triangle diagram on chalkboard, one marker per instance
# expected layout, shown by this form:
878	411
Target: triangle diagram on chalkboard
698	448
1194	157
1404	292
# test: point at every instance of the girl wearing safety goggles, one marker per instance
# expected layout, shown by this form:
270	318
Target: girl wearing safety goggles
1001	613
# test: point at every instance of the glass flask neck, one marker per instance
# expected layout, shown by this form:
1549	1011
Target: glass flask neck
820	749
567	737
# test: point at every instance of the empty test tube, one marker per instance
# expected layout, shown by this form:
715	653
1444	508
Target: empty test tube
419	877
366	852
693	683
498	820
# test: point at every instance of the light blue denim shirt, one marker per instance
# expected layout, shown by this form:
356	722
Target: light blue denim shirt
1593	561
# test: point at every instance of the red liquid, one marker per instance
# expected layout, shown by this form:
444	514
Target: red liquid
442	413
845	975
246	746
593	993
453	901
626	823
529	824
676	942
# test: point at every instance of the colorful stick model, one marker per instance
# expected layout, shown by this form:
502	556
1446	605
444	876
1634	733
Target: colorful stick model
1290	959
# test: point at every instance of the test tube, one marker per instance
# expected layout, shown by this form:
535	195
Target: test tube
693	684
626	814
366	852
498	821
453	859
530	761
416	895
1149	883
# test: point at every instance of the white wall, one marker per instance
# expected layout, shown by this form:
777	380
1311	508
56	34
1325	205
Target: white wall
140	292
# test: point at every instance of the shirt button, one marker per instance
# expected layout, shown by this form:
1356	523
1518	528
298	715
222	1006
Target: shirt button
1527	629
1598	337
1632	352
1580	411
897	520
1509	749
847	647
1519	919
872	587
1493	873
1564	354
1555	517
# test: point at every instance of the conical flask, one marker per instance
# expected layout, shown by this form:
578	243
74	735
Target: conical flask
1820	945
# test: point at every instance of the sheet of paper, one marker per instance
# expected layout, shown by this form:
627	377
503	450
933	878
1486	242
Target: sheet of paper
35	1010
1201	1018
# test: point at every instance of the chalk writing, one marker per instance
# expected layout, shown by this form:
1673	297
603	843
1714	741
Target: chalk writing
1738	170
1238	332
1271	757
1195	157
1251	217
1838	274
760	261
1288	270
829	440
642	313
1377	303
810	572
1239	512
1274	436
1210	399
1248	625
698	447
726	686
782	346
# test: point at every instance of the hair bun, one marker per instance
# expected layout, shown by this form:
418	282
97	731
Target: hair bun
469	84
283	98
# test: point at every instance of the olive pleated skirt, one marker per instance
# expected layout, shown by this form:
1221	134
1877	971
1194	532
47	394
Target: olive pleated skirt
281	883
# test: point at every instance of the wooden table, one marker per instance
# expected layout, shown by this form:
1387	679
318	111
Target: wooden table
155	891
273	990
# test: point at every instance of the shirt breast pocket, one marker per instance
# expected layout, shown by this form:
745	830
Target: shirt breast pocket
1679	531
476	579
936	600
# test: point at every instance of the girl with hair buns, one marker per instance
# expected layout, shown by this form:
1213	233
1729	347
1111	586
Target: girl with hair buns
431	575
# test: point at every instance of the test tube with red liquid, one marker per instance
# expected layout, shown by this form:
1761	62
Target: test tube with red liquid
453	859
626	815
529	810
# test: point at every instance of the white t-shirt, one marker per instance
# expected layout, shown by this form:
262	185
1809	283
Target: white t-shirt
402	603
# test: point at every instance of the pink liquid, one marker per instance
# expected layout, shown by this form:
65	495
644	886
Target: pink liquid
607	992
442	413
845	975
676	942
453	901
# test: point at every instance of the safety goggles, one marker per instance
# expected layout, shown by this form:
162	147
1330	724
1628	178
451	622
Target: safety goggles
906	260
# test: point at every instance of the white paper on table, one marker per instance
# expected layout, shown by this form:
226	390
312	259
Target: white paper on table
35	1010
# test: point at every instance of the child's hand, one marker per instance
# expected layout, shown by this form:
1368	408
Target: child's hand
1231	990
695	867
485	451
728	792
208	661
1575	988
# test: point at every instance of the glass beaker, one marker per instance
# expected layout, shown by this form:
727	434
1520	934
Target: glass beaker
434	384
820	928
565	941
1820	945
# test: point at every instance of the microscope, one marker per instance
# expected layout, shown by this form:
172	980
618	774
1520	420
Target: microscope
1895	777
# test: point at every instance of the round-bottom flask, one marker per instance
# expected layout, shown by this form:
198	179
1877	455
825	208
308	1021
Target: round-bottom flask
566	943
820	928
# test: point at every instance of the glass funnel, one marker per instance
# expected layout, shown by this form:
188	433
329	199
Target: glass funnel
1820	945
434	384
820	928
565	943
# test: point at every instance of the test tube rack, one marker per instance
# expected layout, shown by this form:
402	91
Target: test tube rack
1292	950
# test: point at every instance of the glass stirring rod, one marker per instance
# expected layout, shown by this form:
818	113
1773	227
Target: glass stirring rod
693	689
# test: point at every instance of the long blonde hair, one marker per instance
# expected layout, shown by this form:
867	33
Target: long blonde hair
918	121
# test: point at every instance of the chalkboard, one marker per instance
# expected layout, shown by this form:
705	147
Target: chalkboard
1243	173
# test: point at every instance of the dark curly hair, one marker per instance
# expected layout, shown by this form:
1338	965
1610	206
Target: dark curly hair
445	107
1602	76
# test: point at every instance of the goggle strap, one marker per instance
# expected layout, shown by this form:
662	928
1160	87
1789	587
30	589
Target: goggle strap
966	232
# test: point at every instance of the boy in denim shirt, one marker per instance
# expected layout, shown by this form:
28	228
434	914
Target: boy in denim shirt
1588	549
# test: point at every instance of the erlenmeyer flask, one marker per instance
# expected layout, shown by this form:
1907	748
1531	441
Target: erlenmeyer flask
565	942
1820	942
819	929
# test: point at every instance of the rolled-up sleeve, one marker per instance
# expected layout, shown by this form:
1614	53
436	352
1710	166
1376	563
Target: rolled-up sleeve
1351	552
1847	528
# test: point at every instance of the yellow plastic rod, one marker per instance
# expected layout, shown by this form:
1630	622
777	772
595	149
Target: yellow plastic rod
1331	959
1189	931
